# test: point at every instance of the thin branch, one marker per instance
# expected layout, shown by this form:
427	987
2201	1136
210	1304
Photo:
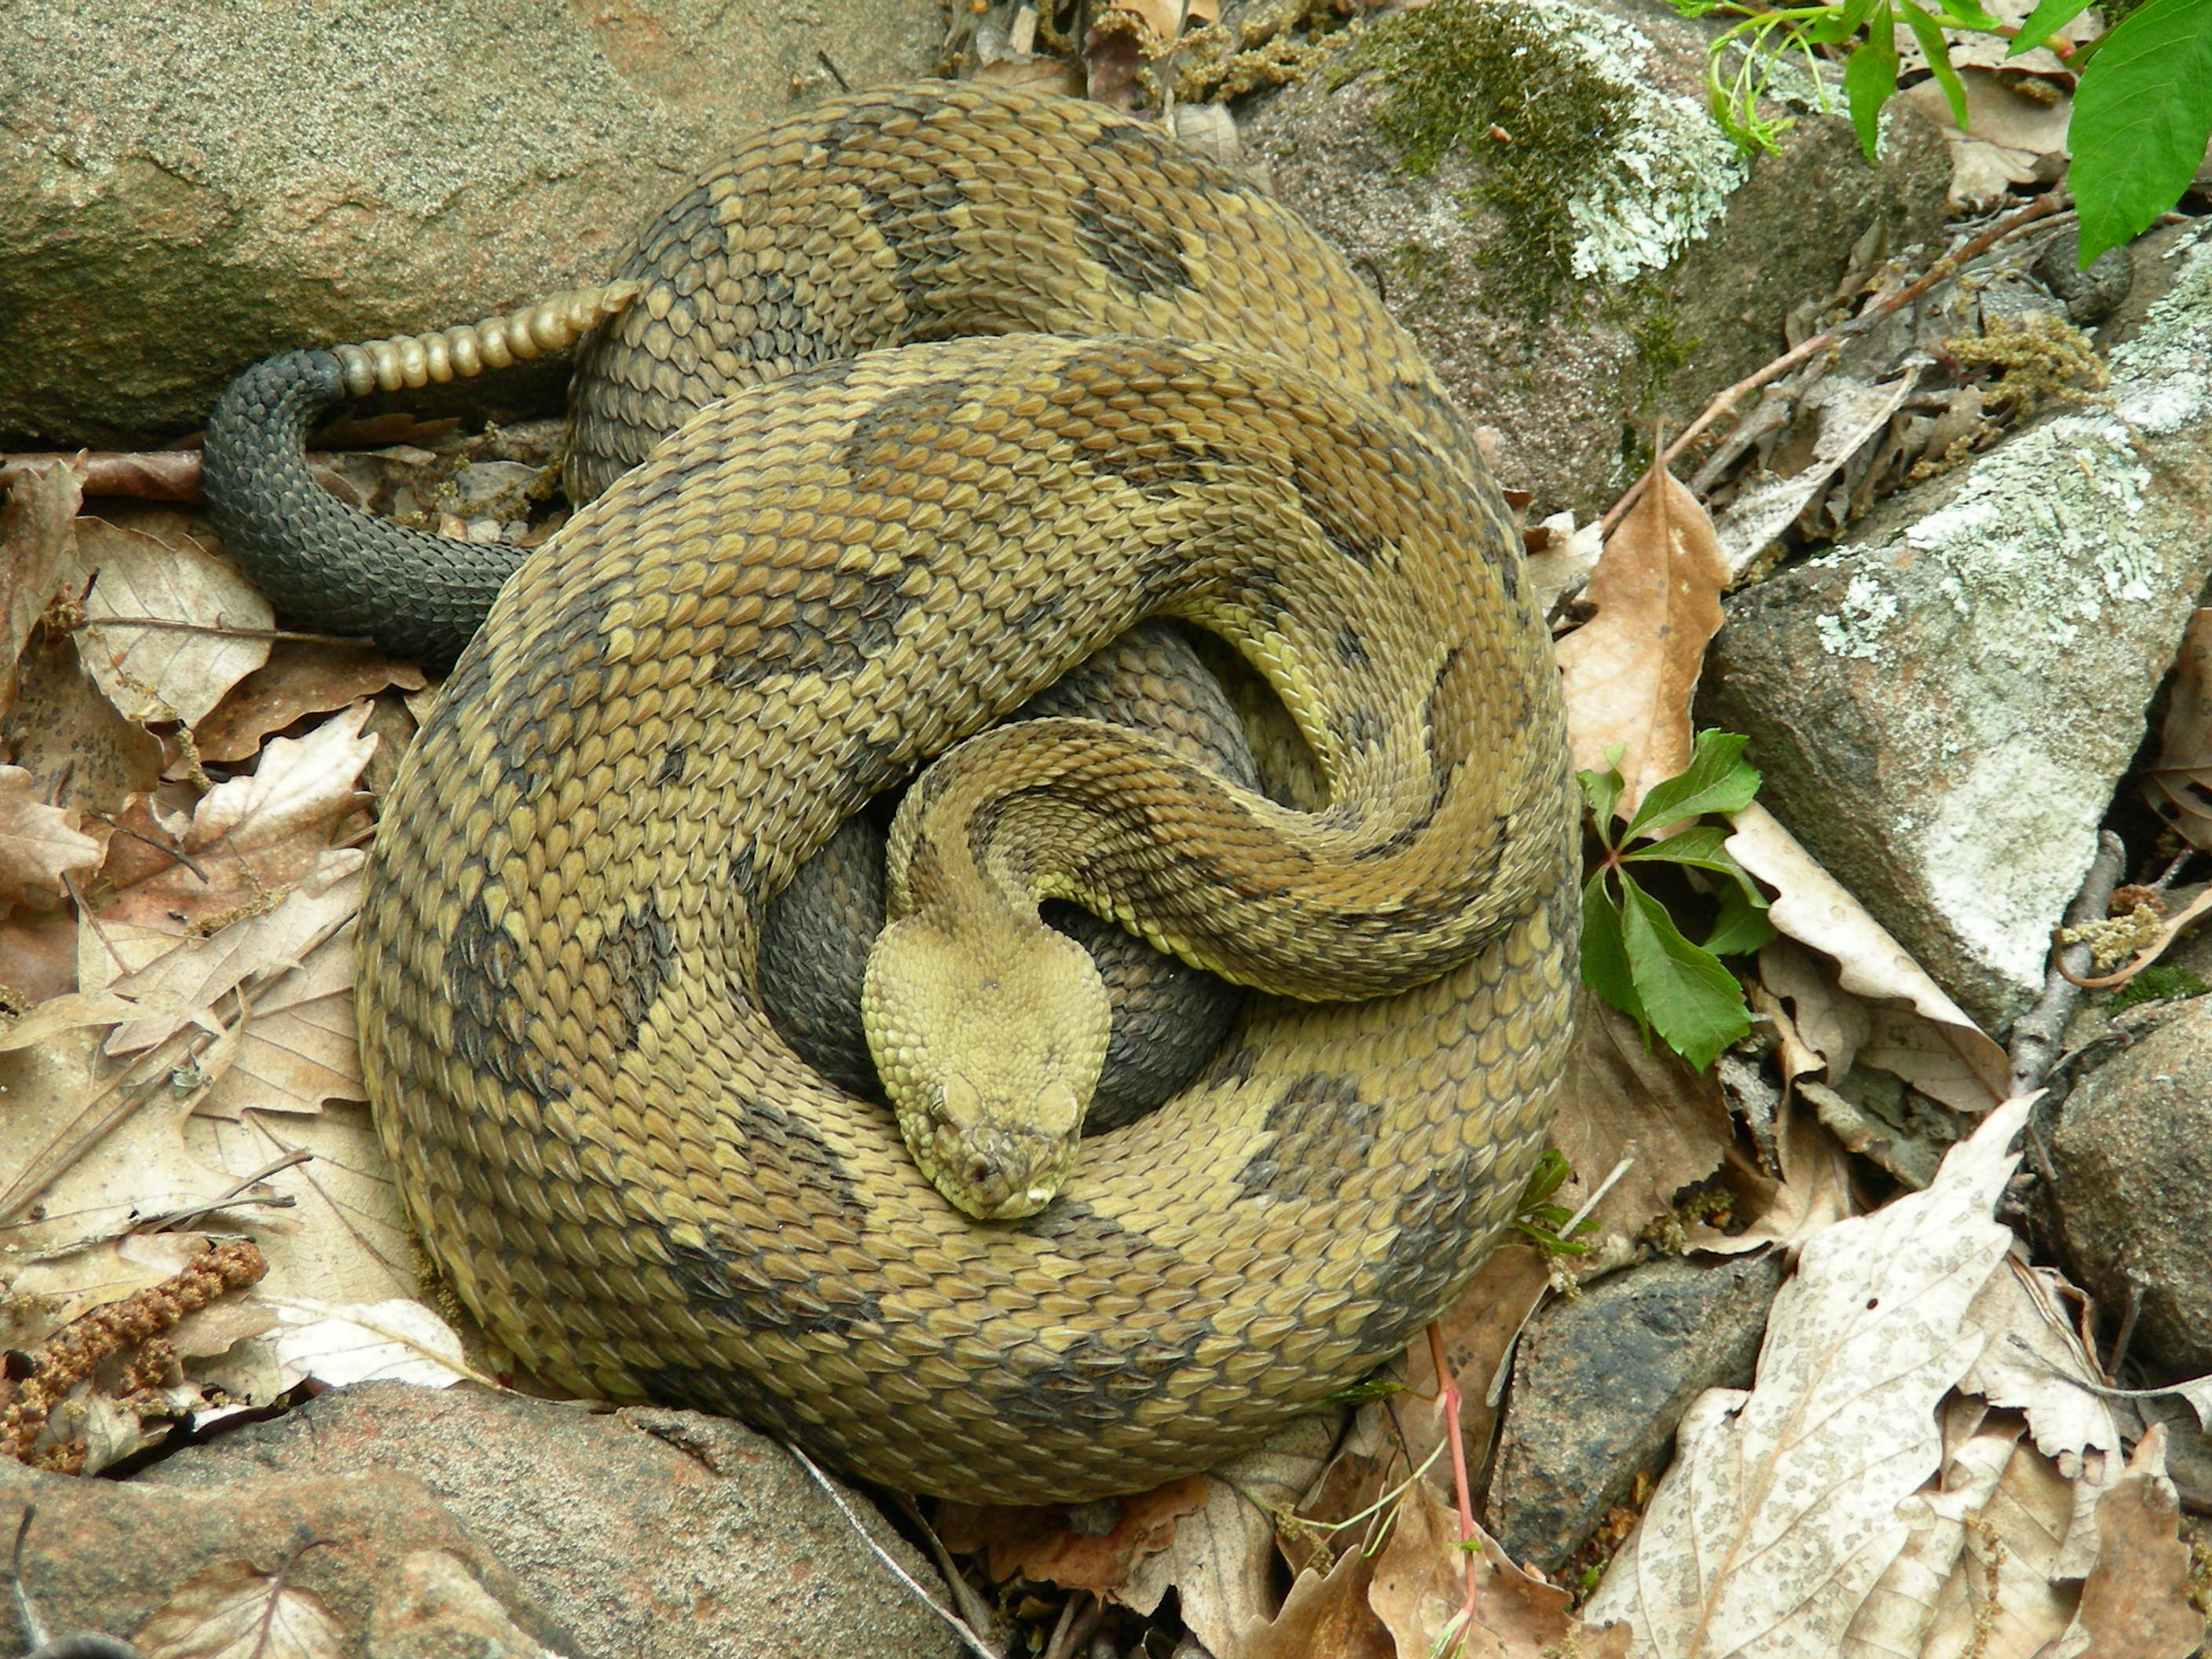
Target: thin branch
2038	1034
967	1635
2042	208
177	625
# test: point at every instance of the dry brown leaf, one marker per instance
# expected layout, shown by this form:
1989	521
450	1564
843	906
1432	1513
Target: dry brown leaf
301	677
1623	1098
2010	138
2135	1603
1827	1024
1221	1560
2002	1597
2179	787
1955	1061
38	955
168	674
1420	1589
300	1047
1779	1515
1323	1618
233	1612
1628	672
37	533
40	845
1039	1542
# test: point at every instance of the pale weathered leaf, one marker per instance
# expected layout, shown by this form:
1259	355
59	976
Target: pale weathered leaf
1849	415
398	1340
2035	1363
2005	1597
232	1612
1813	907
173	672
40	845
300	1047
1780	1513
1629	671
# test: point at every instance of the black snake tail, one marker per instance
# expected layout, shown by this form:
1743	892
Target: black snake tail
331	567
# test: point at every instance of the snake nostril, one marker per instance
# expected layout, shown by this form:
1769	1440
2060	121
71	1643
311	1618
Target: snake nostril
979	1171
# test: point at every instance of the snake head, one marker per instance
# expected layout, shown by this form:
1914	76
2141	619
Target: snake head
989	1041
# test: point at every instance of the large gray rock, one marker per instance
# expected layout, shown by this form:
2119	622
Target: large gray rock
1943	707
642	1532
2133	1161
1610	260
186	189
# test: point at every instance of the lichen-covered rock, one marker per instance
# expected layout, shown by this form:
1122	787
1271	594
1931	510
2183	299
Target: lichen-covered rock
183	190
2132	1157
1943	707
1538	190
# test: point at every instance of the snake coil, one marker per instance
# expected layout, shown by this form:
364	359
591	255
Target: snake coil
866	541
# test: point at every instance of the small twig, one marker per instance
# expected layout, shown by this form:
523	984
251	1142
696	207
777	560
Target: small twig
177	625
836	74
1949	264
2037	1035
1591	1203
1074	1627
967	1635
1447	1391
177	854
973	1606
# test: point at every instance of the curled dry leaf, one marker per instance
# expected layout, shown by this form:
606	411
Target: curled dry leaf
1221	1560
1324	1617
37	534
40	845
1421	1592
174	673
1779	1515
1629	671
301	677
2010	138
1959	1064
1624	1099
233	1612
2135	1604
2036	1362
2178	785
1813	1193
1095	1547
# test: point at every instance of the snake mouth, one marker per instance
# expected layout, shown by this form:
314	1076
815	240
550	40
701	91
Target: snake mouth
1000	1171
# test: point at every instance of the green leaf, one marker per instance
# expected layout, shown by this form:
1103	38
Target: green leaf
2141	114
1929	34
1840	23
1690	999
1700	844
1550	1175
2046	19
1715	780
1604	961
1966	14
1742	926
1871	76
1602	791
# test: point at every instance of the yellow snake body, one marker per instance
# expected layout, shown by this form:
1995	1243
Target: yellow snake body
822	580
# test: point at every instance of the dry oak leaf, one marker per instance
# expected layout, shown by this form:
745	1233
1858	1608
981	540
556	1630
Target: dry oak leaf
1629	671
1055	1546
1323	1618
301	677
1780	1515
173	672
40	845
37	533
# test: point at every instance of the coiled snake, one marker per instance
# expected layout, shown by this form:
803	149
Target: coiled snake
881	540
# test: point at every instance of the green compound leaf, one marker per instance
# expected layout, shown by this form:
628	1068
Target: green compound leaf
1688	997
2140	117
2046	19
1742	926
1602	791
1929	34
1871	75
1715	780
1605	958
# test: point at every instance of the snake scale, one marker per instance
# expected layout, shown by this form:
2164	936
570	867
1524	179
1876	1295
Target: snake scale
963	384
